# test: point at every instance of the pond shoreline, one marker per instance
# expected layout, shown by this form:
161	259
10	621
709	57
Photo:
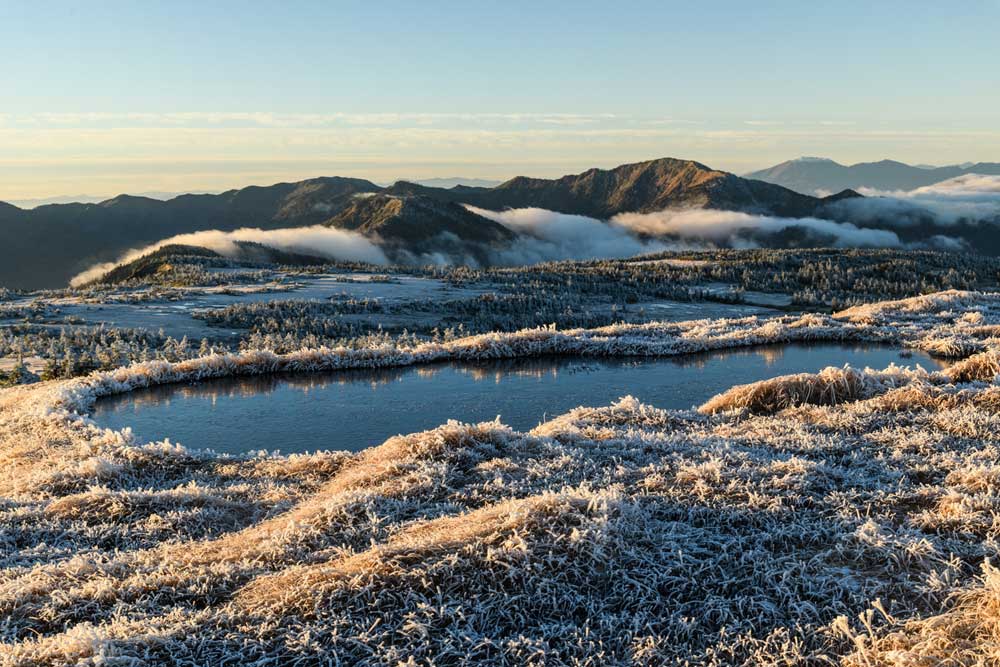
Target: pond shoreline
352	409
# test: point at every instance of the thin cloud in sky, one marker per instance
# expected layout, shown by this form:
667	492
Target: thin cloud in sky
72	152
274	119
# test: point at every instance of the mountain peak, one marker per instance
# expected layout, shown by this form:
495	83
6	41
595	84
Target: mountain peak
886	163
843	194
810	176
415	219
602	193
127	200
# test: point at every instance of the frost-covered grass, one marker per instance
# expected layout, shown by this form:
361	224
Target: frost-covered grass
814	519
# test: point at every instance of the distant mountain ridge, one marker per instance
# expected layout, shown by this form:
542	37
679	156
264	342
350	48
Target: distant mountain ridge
91	199
457	180
642	187
818	175
45	246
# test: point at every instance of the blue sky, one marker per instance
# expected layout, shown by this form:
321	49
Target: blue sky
183	95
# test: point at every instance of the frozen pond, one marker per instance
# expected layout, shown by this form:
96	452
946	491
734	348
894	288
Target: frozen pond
356	409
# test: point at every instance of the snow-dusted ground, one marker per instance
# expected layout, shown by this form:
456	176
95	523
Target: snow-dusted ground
838	517
679	311
751	297
31	363
173	313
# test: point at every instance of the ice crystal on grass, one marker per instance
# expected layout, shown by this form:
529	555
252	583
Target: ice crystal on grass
843	516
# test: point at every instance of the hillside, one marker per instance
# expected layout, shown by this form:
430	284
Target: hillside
166	258
408	227
45	246
812	175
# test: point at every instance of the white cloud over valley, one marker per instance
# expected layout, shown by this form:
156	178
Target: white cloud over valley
545	235
971	198
335	244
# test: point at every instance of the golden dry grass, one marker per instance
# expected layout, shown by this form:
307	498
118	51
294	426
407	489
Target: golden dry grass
981	367
828	387
618	535
967	634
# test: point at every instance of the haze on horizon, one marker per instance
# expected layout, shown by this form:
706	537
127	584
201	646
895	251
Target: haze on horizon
180	96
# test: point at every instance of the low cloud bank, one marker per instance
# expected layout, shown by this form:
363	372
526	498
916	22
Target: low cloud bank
335	244
731	227
971	198
547	235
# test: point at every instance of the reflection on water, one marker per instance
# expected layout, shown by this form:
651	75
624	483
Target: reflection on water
359	408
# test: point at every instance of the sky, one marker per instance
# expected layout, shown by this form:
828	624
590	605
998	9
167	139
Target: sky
112	97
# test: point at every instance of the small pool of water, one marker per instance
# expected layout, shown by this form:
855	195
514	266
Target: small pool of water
360	408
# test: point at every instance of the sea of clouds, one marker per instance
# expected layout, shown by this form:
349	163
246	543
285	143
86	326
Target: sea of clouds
869	222
971	198
544	235
335	244
547	235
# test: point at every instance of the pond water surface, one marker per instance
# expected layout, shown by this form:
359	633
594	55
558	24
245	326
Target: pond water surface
360	408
